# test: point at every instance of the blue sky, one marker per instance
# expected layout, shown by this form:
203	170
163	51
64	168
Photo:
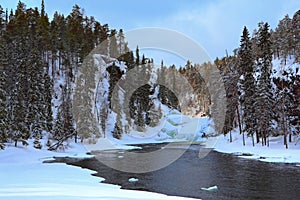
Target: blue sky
214	24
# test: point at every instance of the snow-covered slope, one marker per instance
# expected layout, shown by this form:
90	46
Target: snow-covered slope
291	67
173	127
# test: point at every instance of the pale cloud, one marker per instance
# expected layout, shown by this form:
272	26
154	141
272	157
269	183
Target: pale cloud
217	25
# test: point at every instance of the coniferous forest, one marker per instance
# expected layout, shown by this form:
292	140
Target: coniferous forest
40	57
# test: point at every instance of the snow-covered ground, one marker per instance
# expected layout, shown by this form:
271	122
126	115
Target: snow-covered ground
25	176
276	152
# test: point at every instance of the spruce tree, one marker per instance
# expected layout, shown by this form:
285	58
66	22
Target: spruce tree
264	99
122	44
296	35
246	66
3	107
283	38
43	33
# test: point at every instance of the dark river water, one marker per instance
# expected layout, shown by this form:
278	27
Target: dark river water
236	178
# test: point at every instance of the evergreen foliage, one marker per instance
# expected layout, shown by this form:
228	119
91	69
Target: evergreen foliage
40	58
247	97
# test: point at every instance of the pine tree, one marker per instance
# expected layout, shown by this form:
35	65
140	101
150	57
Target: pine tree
296	34
64	125
47	98
137	56
122	44
19	129
264	100
102	34
19	119
75	30
283	38
36	90
58	131
162	95
2	21
246	66
283	109
3	107
230	78
43	33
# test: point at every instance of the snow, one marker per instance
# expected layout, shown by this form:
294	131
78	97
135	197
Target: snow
276	152
173	127
24	176
279	67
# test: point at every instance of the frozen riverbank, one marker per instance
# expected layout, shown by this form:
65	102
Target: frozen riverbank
25	176
276	152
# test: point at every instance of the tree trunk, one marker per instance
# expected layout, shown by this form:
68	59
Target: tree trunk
252	139
257	137
53	65
239	121
285	141
75	136
239	118
265	138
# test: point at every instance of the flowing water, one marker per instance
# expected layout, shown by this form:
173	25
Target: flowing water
236	178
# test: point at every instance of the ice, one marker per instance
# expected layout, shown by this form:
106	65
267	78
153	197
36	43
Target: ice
212	188
132	180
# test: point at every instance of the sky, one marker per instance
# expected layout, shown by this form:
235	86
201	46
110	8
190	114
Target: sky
216	25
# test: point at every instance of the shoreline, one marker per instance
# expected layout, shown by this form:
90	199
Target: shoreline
275	153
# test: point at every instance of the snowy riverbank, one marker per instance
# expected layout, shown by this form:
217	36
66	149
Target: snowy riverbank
25	176
276	152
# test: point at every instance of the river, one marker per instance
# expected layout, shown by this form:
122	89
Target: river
236	178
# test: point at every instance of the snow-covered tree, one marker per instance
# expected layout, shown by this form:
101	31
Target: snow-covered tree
246	66
282	38
3	107
296	34
264	99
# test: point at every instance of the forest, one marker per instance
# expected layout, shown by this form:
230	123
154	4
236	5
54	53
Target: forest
40	59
